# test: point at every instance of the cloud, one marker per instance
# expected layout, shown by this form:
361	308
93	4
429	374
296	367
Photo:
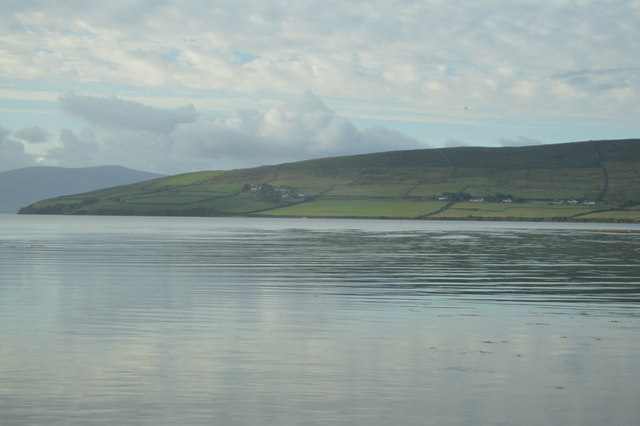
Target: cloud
33	134
439	53
546	66
80	149
12	153
519	141
300	128
112	112
453	143
601	79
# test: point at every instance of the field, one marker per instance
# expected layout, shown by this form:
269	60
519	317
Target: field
528	210
360	207
631	215
184	179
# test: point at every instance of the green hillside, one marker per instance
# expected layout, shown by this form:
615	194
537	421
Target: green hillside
594	180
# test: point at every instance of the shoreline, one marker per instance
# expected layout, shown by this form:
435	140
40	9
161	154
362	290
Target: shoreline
427	218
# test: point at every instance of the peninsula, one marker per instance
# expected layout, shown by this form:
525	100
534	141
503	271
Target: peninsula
579	181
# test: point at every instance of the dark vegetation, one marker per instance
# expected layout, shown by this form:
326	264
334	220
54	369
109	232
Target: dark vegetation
594	180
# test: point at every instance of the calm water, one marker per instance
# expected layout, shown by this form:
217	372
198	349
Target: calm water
124	320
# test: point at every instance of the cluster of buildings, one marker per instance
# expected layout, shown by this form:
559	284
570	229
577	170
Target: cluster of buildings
278	193
446	197
575	202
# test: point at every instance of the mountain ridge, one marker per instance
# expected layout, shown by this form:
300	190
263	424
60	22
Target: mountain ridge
26	185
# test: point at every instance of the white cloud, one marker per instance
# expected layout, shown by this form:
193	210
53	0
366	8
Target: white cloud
495	53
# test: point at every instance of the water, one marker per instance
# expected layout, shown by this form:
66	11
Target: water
130	320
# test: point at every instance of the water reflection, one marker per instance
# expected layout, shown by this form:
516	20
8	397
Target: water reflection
221	321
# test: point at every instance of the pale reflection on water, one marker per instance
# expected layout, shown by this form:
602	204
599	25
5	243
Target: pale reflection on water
301	322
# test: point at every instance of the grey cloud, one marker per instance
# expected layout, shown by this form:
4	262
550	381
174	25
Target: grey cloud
33	134
298	129
379	138
112	112
453	143
76	150
12	153
519	141
601	79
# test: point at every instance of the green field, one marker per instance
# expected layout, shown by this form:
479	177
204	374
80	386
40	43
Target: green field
627	215
360	207
529	210
184	179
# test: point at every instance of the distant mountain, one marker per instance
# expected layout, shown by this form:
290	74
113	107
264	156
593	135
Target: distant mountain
21	187
592	180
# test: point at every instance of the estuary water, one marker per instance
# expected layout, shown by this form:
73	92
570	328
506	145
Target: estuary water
243	321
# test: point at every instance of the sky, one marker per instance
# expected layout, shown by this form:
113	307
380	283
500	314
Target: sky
179	86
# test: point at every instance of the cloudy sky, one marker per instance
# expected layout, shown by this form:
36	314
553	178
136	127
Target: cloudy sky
176	86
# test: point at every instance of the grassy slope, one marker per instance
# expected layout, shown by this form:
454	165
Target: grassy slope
397	184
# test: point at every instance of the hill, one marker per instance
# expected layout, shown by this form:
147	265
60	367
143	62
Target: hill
21	187
594	180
